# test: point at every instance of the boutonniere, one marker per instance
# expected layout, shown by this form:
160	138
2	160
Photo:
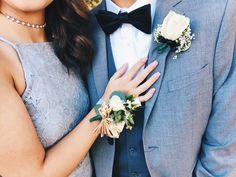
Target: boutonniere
116	114
174	32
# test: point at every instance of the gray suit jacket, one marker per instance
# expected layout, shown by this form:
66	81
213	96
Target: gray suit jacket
190	123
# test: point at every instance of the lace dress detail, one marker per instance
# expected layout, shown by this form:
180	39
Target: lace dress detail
55	100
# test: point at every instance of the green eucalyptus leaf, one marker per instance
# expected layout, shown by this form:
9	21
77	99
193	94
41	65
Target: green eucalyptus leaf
130	97
162	47
95	118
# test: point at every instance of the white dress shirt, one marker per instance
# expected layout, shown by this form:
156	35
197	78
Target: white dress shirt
129	44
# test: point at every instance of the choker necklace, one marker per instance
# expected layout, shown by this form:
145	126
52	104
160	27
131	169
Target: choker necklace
20	22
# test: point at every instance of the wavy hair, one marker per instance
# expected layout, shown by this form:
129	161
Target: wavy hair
67	28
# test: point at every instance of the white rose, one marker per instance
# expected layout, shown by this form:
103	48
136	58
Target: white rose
173	25
116	103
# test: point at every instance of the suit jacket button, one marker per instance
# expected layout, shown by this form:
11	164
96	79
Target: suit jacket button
132	151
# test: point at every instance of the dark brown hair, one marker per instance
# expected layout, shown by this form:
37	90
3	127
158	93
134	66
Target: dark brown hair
67	28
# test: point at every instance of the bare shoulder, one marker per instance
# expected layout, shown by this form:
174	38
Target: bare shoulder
6	63
8	55
10	67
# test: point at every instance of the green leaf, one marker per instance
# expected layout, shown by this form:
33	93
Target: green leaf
95	118
119	94
162	47
117	116
130	97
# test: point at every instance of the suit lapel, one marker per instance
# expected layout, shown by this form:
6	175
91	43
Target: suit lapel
100	70
162	9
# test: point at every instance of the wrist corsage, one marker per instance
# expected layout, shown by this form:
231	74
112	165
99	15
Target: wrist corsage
116	114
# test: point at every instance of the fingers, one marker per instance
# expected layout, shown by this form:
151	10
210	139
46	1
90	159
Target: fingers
148	95
133	71
121	71
146	85
142	76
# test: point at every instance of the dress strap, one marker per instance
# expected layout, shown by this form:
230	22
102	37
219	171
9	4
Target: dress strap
7	42
23	64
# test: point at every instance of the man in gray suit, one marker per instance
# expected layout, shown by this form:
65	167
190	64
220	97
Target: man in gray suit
188	128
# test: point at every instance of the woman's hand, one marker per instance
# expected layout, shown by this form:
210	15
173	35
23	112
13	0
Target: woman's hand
127	83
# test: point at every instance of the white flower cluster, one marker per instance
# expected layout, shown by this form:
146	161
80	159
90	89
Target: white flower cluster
124	108
157	33
185	40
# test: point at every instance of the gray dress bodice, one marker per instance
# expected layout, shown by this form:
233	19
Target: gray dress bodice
56	101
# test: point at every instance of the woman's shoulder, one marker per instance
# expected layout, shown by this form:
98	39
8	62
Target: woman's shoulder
10	66
6	76
7	57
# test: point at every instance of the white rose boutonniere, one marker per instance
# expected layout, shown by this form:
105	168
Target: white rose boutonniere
174	32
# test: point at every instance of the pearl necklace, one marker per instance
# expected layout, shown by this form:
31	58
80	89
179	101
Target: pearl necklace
20	22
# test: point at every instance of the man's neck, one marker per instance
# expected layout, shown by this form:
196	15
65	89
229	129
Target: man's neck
124	3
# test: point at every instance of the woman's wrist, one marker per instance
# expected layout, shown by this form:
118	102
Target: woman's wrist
101	101
105	98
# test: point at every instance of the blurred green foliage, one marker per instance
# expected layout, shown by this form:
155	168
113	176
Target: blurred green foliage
92	3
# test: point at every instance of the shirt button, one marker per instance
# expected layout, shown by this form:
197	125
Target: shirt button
132	151
134	174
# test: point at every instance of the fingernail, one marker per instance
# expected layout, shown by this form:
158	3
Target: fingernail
153	90
157	74
124	65
155	63
144	60
155	60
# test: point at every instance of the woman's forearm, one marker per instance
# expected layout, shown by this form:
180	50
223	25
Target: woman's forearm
66	155
23	155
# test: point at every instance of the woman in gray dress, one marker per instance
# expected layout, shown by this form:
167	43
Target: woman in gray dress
44	129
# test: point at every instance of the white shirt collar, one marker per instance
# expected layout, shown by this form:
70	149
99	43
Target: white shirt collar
112	7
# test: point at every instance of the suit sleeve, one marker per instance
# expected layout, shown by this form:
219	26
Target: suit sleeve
217	157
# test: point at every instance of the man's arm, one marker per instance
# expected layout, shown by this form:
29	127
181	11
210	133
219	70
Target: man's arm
217	157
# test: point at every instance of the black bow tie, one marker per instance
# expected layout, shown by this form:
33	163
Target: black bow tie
139	18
